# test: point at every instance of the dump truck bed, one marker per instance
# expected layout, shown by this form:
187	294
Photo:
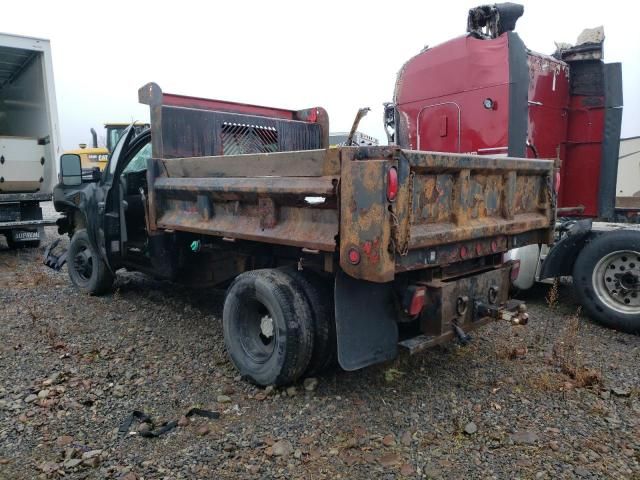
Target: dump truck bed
448	207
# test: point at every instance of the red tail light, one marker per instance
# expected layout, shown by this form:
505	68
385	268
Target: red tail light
354	256
417	301
556	187
392	184
515	270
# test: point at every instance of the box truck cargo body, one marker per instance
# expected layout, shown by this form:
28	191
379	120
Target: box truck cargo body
29	136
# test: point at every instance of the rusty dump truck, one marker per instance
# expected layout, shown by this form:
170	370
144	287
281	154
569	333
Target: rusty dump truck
327	254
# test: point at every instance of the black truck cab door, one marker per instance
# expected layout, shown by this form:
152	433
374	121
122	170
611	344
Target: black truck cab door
111	210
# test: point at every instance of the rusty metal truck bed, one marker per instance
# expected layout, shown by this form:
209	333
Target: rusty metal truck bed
335	200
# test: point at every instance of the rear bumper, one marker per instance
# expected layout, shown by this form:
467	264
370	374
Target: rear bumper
367	313
462	304
25	197
454	300
27	224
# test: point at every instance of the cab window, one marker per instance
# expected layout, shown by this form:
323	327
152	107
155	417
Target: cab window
139	161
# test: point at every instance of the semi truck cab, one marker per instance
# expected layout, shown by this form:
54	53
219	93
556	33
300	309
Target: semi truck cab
486	93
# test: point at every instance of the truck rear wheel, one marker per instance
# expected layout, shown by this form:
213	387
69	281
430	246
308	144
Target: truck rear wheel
268	328
606	278
319	294
87	270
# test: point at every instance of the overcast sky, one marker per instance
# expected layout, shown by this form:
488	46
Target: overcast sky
341	55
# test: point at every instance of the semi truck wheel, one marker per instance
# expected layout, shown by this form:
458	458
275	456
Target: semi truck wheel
268	329
87	270
319	294
606	277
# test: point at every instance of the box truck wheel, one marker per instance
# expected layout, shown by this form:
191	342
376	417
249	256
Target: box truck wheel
268	329
319	294
606	277
87	270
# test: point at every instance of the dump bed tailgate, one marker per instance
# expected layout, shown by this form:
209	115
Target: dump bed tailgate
449	208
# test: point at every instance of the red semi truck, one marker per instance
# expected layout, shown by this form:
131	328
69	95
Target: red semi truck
485	93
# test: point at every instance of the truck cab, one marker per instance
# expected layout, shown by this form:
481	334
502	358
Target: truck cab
486	94
118	192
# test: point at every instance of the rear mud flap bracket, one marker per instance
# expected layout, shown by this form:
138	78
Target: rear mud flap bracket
365	322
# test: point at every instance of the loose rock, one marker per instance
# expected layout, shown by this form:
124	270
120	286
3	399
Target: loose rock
282	448
310	384
292	391
621	391
389	459
64	440
470	428
524	437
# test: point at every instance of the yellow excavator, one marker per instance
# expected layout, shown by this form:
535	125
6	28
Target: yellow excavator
95	156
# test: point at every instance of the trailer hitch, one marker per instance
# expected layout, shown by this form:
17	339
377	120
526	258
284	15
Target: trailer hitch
52	260
463	337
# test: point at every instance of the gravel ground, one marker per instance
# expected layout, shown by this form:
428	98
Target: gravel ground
559	398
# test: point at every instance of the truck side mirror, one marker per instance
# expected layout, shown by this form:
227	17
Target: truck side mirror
70	169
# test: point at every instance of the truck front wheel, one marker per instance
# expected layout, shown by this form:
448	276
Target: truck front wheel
87	270
268	328
606	278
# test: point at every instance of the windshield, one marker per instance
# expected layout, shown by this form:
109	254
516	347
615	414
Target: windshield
113	158
139	161
113	135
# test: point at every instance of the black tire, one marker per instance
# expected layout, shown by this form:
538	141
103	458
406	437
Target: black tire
87	270
606	279
268	328
319	294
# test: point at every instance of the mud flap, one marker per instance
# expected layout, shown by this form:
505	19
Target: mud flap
563	254
365	322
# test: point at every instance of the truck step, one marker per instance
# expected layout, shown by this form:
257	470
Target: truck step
422	342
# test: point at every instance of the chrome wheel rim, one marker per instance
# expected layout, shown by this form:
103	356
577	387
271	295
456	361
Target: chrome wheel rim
616	281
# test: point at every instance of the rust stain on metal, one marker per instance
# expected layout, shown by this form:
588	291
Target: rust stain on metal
268	212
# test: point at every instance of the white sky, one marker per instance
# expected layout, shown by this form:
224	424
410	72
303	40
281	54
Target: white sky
292	54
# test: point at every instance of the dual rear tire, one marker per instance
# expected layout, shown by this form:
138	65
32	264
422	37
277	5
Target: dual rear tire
278	325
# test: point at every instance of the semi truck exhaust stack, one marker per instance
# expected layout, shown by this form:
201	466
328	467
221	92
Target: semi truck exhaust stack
491	21
94	137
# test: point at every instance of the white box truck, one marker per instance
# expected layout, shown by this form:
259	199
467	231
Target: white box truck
29	137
